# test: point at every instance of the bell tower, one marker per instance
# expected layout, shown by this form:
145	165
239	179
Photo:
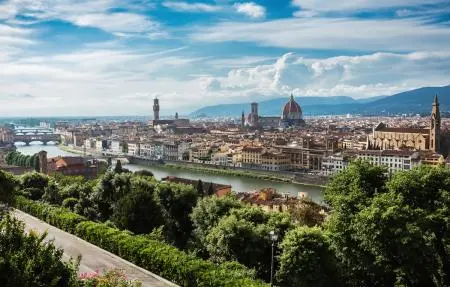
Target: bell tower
156	109
435	126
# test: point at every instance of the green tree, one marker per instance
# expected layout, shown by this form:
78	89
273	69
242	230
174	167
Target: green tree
199	188
395	232
177	202
51	193
143	172
34	180
109	190
307	260
8	184
118	167
426	190
241	240
138	212
207	213
389	230
26	260
244	236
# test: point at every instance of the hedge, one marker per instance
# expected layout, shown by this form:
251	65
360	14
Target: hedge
158	257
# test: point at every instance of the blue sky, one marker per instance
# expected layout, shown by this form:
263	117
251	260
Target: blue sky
110	57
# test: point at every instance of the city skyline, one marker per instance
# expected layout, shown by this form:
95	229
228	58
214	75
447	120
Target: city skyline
110	57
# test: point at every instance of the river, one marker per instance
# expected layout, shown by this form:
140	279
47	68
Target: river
239	184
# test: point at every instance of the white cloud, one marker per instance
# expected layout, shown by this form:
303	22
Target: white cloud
85	13
333	5
250	9
108	81
332	34
191	7
116	22
357	76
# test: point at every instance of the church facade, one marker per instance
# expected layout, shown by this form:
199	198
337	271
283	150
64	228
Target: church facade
387	138
291	116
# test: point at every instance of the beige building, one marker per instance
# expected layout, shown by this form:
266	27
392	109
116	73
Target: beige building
387	138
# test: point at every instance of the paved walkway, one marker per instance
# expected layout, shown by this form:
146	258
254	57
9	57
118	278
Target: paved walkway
93	258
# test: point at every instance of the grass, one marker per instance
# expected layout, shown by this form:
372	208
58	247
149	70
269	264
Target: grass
239	173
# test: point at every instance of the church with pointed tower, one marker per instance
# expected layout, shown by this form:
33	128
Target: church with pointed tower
425	139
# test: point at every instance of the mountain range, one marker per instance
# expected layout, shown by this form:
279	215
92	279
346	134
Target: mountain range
410	102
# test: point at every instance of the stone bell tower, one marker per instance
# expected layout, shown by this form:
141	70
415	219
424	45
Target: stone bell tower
156	109
435	126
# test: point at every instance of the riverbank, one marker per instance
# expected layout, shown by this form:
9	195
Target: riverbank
226	171
284	177
72	150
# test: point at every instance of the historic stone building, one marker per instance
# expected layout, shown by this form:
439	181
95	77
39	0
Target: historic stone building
387	138
291	115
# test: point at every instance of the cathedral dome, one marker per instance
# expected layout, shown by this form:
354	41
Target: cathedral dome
292	110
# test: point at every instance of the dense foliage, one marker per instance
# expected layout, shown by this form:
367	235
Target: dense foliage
377	230
27	260
19	159
156	256
390	232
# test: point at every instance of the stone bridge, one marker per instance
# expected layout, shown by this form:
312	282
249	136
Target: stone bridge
35	131
44	138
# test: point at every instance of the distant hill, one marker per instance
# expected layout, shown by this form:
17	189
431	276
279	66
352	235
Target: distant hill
414	101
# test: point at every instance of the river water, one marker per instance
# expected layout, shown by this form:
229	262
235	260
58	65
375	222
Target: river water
239	184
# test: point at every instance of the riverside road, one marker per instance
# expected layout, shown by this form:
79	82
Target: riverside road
93	258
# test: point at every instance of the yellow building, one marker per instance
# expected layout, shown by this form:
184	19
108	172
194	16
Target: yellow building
387	138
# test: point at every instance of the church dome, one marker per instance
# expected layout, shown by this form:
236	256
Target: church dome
292	110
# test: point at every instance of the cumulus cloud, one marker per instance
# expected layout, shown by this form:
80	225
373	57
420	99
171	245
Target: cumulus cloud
191	7
357	76
250	9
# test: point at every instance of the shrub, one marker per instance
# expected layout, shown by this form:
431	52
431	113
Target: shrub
158	257
69	203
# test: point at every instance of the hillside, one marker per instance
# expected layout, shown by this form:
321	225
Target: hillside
414	101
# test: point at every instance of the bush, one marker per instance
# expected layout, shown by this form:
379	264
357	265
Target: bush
69	203
158	257
27	261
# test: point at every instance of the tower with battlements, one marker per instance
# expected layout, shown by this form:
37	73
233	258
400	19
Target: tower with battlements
156	109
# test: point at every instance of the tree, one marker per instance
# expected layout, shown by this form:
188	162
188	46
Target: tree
395	232
307	260
138	212
207	213
426	190
143	172
118	167
200	188
27	260
389	230
210	189
51	193
34	180
177	202
241	240
8	184
109	190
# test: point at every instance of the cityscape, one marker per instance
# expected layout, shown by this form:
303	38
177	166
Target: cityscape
224	143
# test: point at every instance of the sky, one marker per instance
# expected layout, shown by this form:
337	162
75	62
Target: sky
113	57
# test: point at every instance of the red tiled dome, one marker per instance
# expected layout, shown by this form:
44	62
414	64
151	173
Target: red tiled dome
292	110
